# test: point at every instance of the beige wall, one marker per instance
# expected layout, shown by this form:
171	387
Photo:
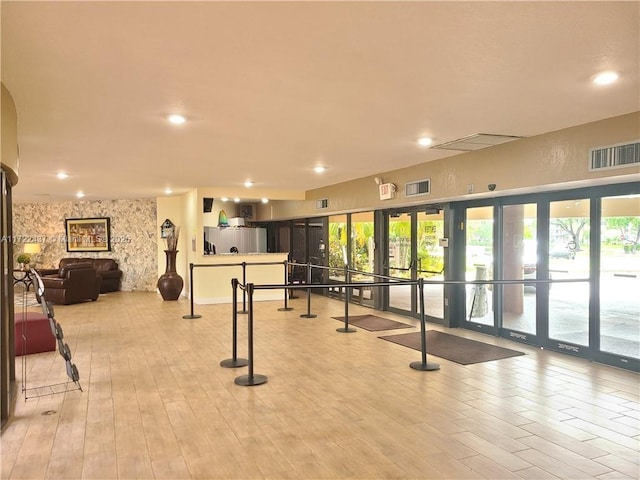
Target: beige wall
553	161
213	284
9	138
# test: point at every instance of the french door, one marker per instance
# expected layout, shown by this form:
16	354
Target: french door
414	251
401	260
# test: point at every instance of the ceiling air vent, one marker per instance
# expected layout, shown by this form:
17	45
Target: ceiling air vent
421	187
476	142
614	156
322	203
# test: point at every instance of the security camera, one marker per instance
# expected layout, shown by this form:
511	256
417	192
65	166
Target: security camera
491	187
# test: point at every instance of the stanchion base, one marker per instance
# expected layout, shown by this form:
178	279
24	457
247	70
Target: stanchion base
308	315
192	316
346	330
424	367
285	309
234	362
247	381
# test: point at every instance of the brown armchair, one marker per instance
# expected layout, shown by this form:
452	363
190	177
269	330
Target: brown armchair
72	283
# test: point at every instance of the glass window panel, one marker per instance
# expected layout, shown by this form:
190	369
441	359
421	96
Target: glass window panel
519	262
620	276
362	241
337	244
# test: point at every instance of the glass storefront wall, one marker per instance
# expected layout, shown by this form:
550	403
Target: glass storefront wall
575	290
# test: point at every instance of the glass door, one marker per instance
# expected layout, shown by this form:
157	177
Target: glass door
362	256
569	259
430	260
338	257
479	264
401	261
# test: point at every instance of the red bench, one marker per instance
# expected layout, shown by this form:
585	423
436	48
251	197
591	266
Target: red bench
36	328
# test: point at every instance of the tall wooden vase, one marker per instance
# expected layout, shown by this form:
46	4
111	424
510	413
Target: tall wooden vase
170	283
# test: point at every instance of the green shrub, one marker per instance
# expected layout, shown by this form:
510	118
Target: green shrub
23	258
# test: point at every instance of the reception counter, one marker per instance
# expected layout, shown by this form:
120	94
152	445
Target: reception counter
212	276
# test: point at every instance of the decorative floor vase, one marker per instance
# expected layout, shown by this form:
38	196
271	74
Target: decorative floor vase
170	283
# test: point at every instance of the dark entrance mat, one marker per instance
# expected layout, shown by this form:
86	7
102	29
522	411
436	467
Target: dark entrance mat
373	323
451	347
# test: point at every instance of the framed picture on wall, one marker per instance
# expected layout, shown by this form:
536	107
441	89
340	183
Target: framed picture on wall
247	211
88	234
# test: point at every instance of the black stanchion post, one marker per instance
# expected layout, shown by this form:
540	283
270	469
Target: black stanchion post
191	293
234	361
286	308
346	328
292	293
423	364
244	292
250	379
308	314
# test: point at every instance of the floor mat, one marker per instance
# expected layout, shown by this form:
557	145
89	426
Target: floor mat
373	323
451	347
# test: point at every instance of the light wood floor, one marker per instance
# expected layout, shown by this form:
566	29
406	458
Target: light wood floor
156	403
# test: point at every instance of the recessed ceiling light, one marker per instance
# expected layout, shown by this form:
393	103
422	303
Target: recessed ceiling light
265	200
62	175
605	78
425	141
225	199
237	200
176	119
168	191
80	194
248	183
320	169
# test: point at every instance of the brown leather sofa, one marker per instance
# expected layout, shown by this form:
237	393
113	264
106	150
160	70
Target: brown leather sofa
107	269
73	283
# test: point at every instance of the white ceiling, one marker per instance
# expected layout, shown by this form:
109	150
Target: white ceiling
273	88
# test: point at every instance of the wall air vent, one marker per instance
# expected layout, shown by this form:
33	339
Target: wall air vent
614	156
476	142
322	203
421	187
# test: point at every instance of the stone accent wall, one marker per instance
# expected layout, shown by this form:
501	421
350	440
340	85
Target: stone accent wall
134	235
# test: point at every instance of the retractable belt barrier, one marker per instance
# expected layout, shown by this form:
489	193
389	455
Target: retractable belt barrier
252	379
